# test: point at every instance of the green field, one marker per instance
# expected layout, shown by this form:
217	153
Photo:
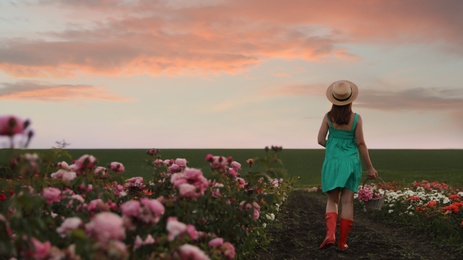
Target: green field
404	166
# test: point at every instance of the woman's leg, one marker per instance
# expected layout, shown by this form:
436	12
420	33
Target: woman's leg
332	200
331	217
347	217
347	202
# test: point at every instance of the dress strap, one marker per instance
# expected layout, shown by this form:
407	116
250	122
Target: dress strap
356	117
329	121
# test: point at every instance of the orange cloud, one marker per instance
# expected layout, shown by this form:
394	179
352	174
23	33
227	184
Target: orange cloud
32	91
154	37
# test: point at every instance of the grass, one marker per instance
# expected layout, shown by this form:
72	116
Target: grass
403	166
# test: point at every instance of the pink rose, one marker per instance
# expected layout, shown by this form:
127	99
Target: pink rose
73	167
365	194
241	181
188	251
106	226
175	228
256	214
158	162
136	182
58	174
250	161
51	194
69	224
181	162
216	242
275	183
131	208
192	232
117	167
149	240
228	250
12	125
75	199
97	205
101	171
209	158
69	176
151	211
219	162
177	179
175	168
216	193
187	190
139	242
236	165
168	162
154	205
202	183
40	250
85	162
192	174
63	165
232	172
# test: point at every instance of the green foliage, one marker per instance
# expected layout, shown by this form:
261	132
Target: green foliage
233	210
402	166
431	208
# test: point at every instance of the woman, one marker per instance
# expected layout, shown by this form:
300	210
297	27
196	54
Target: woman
342	168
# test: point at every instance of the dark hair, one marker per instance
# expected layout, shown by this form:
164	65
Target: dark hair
340	114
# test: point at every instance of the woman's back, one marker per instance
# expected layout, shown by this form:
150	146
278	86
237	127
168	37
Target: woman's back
341	141
343	127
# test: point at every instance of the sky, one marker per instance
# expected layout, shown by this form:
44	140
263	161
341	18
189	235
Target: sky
230	73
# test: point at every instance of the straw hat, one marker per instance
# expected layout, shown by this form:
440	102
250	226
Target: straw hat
342	92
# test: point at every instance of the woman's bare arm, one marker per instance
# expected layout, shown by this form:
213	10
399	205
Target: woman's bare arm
323	132
363	149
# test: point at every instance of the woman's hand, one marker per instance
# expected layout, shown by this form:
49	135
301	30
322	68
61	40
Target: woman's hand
372	173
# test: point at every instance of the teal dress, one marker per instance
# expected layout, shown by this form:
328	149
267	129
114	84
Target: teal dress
342	167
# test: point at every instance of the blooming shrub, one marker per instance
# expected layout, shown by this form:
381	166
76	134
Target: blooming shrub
11	126
80	209
435	207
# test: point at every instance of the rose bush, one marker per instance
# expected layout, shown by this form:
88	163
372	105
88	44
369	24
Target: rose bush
11	126
78	209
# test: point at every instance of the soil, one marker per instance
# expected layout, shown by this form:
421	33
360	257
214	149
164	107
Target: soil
300	228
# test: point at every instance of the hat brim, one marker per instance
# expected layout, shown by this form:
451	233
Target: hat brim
332	99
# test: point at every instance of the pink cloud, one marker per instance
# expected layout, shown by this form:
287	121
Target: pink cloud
410	99
413	99
154	37
33	91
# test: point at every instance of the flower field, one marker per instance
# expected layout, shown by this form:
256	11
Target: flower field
55	204
79	209
434	207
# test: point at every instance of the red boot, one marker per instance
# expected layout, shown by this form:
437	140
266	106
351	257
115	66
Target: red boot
344	229
331	220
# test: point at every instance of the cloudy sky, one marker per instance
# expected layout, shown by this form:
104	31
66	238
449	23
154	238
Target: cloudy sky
230	73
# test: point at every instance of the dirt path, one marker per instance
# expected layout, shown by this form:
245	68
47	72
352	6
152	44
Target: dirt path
300	229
